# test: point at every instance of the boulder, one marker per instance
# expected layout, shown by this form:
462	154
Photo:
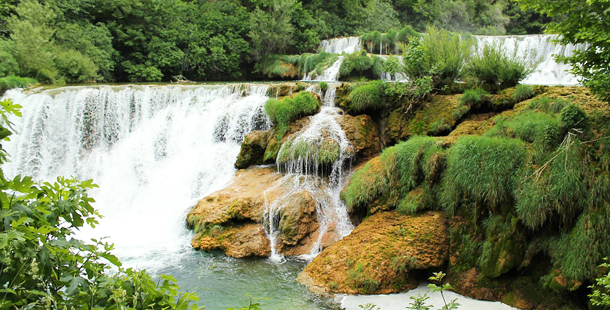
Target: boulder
380	255
252	150
233	219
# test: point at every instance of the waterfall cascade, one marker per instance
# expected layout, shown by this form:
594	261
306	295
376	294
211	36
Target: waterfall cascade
323	138
340	45
538	48
153	151
331	74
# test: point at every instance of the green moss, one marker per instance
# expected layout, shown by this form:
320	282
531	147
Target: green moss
283	111
503	249
318	152
439	127
482	170
475	98
411	204
358	279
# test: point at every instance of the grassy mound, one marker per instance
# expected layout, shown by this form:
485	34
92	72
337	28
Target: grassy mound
283	111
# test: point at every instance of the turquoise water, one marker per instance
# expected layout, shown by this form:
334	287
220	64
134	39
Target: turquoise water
222	282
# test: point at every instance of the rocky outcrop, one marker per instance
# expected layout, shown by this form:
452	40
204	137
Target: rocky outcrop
381	255
362	134
252	150
232	219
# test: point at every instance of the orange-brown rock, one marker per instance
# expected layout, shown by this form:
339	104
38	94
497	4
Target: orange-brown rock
232	219
380	255
362	133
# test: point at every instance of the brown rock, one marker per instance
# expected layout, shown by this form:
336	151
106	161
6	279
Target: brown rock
237	241
362	133
379	255
252	150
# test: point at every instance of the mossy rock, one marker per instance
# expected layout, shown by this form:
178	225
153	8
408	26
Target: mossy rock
252	150
380	255
282	90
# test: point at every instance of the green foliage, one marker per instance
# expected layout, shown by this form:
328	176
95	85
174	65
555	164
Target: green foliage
547	105
45	267
439	53
528	126
482	170
8	63
317	152
283	111
523	92
439	127
573	117
75	67
440	287
367	97
315	64
271	31
599	295
475	98
278	66
497	70
323	86
360	64
12	81
589	19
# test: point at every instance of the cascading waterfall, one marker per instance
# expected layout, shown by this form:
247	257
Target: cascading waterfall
306	172
340	45
331	74
153	151
540	47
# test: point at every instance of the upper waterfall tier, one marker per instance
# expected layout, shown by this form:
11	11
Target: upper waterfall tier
340	45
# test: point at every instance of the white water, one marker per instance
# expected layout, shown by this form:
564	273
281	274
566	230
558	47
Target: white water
340	45
541	47
331	74
153	151
304	173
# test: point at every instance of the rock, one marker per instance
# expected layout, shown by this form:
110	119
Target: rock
362	133
282	90
252	150
238	241
380	255
275	140
232	219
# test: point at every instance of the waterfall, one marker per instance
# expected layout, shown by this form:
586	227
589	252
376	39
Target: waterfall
542	48
153	151
340	45
306	171
331	74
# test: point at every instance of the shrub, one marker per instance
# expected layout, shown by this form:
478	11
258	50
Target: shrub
573	117
547	105
475	98
283	111
12	81
75	67
523	92
482	170
323	86
496	69
406	34
359	63
315	63
367	97
439	53
528	126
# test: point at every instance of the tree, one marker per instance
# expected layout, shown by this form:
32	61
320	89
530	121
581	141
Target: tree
582	22
271	32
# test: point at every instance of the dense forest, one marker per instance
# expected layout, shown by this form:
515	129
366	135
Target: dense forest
77	41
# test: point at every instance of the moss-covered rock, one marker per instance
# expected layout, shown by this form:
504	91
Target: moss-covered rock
252	150
362	134
242	240
380	255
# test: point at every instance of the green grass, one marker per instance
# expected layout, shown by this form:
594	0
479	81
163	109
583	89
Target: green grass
360	64
528	126
523	92
283	111
12	81
315	63
573	117
482	170
367	97
316	152
547	105
475	98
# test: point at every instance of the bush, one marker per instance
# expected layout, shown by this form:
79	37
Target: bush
528	126
475	98
367	97
482	170
323	86
573	117
496	69
315	63
12	81
523	92
440	53
75	67
283	111
406	34
359	63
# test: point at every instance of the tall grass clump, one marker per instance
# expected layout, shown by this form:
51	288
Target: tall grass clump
367	97
12	81
439	53
556	185
523	92
573	117
528	126
359	63
547	105
497	70
283	111
475	98
482	170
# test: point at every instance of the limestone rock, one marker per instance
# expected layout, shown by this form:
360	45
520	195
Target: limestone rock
362	133
232	219
380	255
252	150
